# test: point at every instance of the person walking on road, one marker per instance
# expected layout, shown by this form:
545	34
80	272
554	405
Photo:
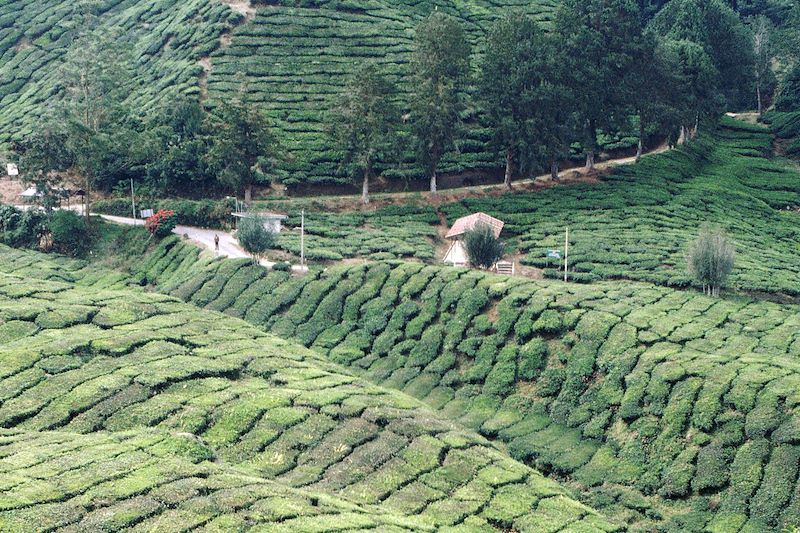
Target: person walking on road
216	244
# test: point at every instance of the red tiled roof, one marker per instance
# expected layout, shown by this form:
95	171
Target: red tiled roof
462	225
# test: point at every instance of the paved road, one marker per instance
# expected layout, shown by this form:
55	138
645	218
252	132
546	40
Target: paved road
228	246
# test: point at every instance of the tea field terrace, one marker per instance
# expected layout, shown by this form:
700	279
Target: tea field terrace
166	40
294	56
127	410
635	224
663	408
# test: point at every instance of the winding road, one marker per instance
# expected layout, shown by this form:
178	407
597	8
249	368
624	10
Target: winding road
228	245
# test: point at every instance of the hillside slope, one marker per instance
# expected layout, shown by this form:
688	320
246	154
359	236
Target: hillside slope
664	408
294	56
121	409
636	223
297	58
167	39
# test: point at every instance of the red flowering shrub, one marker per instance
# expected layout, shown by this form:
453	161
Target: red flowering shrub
162	223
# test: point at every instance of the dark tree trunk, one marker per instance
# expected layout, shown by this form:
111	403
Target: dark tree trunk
365	188
758	95
591	137
87	199
248	194
509	168
640	147
590	160
554	169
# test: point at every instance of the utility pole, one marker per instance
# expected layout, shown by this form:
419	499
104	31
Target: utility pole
566	253
133	203
302	240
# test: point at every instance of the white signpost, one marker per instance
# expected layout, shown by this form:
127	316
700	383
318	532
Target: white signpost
12	169
146	213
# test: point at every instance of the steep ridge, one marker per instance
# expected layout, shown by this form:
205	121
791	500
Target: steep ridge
121	409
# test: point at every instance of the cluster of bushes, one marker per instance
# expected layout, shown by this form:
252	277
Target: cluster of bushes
61	231
162	223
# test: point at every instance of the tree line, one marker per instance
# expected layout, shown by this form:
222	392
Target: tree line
540	90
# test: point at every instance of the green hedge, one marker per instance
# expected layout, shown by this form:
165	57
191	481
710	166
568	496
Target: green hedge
215	214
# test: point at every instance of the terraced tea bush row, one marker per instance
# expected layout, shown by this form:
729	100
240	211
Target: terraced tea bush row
154	480
653	403
121	409
167	39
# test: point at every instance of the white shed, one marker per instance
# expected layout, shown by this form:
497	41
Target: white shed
457	255
272	221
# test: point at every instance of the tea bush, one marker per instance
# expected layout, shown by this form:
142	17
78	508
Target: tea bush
648	399
69	232
145	413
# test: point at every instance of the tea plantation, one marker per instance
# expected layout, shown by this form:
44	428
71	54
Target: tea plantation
298	55
665	409
165	38
636	224
122	409
294	56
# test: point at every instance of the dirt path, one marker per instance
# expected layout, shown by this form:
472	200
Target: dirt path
246	8
749	118
351	202
242	6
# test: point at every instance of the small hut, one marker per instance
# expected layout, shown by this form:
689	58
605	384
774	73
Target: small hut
272	221
457	255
